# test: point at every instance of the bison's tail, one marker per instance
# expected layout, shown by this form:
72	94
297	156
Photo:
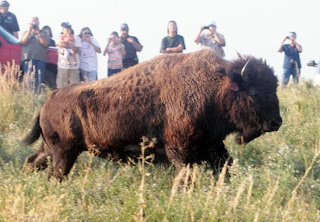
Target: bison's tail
35	132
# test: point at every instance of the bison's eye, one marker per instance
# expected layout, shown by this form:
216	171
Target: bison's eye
253	94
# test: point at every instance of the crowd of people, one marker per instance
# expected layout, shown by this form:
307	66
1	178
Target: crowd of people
77	54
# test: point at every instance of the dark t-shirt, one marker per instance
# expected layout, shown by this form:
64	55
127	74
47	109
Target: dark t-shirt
168	42
131	51
291	55
9	22
52	43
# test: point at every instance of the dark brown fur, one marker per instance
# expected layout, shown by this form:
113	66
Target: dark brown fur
186	101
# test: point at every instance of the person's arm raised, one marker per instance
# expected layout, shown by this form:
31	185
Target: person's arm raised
281	47
26	36
136	45
197	39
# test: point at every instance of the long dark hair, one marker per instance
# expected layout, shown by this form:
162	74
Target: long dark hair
80	35
115	33
47	27
174	23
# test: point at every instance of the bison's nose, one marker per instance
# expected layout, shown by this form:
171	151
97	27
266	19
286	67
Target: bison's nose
275	124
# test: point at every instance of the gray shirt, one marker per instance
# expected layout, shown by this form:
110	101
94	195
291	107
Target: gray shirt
34	49
207	41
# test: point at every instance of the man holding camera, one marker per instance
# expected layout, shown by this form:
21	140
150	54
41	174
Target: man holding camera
292	64
208	37
34	51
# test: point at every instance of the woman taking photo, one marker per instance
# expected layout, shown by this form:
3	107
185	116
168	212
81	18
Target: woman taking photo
88	56
115	50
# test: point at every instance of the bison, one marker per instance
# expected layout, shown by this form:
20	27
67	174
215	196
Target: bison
188	102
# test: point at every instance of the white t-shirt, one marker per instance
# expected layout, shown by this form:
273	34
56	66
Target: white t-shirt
62	60
88	56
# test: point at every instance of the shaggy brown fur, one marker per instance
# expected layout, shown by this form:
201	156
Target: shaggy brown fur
189	102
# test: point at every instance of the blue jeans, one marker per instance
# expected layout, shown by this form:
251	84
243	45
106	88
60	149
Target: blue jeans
286	75
113	71
38	67
88	76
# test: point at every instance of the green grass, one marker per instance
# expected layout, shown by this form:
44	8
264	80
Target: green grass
274	178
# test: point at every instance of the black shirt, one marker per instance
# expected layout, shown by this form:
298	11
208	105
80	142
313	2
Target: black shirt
131	51
168	42
9	22
291	56
52	43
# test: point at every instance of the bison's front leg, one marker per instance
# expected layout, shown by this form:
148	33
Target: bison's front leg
180	155
216	154
219	155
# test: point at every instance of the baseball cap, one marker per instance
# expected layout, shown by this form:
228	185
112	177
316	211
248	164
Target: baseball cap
4	4
66	25
213	23
124	26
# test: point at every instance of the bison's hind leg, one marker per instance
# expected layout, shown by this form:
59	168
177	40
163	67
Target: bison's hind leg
38	160
63	161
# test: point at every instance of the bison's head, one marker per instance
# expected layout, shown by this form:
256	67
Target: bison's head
253	105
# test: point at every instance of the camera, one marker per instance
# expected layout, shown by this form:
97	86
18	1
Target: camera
205	27
35	26
288	37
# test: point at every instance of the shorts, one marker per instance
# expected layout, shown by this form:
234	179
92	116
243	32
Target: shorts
67	76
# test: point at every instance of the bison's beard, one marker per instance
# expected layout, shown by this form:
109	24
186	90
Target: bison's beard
247	136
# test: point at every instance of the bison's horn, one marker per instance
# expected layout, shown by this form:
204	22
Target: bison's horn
244	69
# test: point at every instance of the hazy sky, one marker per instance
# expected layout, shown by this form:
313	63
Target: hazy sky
250	27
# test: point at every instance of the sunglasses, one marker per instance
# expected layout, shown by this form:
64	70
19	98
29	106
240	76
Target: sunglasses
87	33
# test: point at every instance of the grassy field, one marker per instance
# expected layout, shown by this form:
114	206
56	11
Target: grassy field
274	178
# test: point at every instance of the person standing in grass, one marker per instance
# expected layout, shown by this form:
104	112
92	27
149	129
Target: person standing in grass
115	50
88	56
50	74
208	37
131	45
291	64
68	73
34	52
8	20
173	43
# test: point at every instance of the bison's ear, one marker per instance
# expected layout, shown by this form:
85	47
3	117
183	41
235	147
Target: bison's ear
236	81
234	86
221	70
